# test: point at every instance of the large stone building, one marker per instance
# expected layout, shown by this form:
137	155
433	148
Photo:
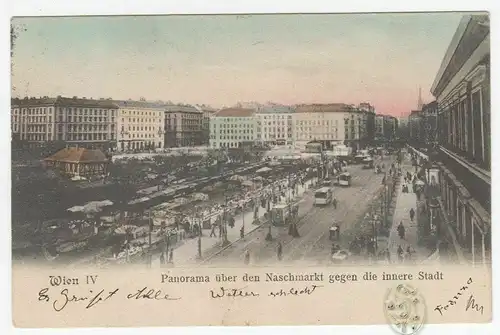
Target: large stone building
462	91
85	122
385	128
335	123
429	120
390	127
140	125
274	125
320	122
183	126
232	127
379	127
205	124
416	127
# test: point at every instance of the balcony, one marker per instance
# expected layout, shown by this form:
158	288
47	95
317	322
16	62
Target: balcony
475	179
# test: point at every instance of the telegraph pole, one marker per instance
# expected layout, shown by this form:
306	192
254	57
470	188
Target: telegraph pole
199	237
150	251
225	240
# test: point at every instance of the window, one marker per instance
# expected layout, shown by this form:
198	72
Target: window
477	125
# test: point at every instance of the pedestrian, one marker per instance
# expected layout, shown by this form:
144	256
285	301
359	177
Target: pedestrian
247	257
220	229
401	230
212	232
334	203
409	252
412	214
279	251
334	248
400	254
170	259
242	232
162	259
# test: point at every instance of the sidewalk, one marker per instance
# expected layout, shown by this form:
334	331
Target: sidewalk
187	252
404	202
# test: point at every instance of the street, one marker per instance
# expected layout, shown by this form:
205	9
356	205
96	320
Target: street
313	246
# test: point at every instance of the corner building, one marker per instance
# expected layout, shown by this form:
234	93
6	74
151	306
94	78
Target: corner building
84	122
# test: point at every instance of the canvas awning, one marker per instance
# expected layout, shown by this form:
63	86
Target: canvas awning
264	169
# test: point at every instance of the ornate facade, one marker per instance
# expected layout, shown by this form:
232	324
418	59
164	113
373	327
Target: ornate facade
462	91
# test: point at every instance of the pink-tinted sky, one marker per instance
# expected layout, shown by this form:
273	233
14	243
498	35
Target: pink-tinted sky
220	60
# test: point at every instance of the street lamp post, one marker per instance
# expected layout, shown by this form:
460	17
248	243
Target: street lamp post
269	236
225	240
123	132
150	251
289	187
160	133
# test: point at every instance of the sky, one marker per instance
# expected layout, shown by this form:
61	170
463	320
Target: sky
221	60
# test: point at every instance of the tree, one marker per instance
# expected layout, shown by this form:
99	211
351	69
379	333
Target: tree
15	30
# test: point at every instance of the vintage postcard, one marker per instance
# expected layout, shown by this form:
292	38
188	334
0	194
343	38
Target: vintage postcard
305	169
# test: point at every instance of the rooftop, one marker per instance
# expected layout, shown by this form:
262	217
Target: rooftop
33	101
78	155
235	112
106	103
139	104
182	109
63	101
321	108
274	109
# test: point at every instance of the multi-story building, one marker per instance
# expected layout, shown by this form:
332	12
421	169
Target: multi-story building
390	128
403	130
320	122
274	125
379	127
183	126
79	121
462	90
429	121
140	125
416	127
232	127
33	120
367	132
205	124
335	123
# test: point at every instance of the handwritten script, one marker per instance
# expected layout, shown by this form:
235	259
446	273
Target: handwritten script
470	305
59	300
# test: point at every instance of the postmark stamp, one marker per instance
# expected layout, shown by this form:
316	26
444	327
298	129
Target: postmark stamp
405	309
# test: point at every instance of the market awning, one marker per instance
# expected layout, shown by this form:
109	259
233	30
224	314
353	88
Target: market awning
264	169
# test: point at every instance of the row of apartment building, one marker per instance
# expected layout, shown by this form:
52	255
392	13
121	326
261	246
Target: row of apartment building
330	124
457	128
139	125
111	124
